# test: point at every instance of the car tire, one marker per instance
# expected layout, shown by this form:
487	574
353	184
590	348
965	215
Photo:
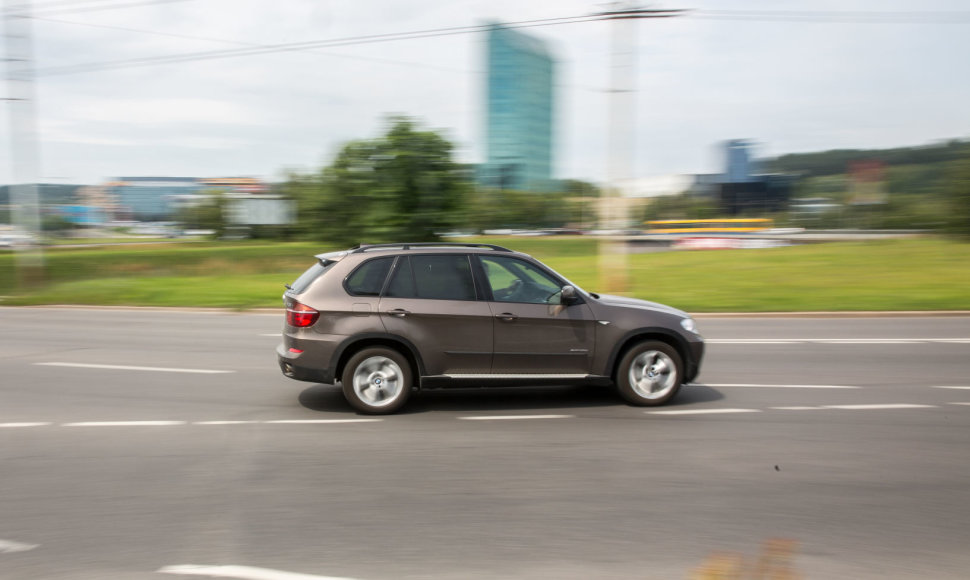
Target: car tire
377	381
649	374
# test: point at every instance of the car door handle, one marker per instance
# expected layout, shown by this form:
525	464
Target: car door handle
399	312
506	316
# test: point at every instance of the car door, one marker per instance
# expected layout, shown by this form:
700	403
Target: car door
431	301
534	333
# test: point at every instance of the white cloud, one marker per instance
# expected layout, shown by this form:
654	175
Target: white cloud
793	87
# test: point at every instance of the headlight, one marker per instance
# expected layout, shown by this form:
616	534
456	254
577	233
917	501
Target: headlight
689	325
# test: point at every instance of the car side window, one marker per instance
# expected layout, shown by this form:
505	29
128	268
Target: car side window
368	278
402	280
433	277
513	280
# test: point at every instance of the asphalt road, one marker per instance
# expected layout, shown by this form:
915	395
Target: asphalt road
834	438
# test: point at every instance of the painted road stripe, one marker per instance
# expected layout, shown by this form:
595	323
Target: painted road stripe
513	417
319	421
703	411
959	388
132	368
836	340
795	408
241	572
36	424
958	403
124	424
8	547
762	386
224	422
886	406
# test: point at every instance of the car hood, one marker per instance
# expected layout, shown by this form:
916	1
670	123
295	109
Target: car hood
624	302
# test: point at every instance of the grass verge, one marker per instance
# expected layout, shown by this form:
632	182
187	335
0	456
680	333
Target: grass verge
923	274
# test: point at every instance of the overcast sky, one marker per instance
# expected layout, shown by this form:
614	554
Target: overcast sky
832	82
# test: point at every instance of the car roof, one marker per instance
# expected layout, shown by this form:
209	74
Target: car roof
423	248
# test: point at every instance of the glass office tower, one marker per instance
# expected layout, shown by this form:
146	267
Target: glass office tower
519	112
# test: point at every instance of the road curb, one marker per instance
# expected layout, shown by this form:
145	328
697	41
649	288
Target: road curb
698	315
837	314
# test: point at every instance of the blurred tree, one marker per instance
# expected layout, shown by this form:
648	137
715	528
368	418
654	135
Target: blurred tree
56	224
958	197
208	215
679	207
403	186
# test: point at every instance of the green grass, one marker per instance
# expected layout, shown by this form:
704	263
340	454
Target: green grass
923	274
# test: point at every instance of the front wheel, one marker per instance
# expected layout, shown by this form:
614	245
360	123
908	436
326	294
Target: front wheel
650	374
377	381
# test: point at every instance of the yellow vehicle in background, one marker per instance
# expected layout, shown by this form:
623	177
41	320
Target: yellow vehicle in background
710	226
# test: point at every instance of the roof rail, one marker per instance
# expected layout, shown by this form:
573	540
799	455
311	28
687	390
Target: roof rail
408	246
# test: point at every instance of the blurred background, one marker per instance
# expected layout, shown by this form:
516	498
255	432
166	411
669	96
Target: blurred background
655	127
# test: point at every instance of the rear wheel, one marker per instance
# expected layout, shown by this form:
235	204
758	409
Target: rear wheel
649	374
377	381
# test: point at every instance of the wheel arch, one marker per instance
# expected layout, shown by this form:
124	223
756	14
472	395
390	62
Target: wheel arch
351	347
639	335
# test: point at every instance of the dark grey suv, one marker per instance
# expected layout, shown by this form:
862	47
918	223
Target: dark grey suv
387	319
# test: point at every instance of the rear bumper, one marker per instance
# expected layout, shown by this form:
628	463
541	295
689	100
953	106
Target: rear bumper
290	366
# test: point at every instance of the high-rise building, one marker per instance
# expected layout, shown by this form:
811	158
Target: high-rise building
739	167
519	112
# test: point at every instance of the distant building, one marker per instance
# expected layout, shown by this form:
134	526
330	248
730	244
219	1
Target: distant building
739	167
159	198
519	112
151	198
745	191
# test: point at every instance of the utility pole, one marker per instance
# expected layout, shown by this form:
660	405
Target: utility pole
24	155
614	273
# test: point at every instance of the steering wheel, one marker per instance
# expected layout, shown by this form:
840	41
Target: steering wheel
506	293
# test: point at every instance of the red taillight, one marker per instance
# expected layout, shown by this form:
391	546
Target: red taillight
301	315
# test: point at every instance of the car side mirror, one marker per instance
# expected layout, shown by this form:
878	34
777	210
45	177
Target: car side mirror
569	295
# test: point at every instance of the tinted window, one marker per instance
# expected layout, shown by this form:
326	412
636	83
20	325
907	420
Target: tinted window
368	278
307	278
402	281
514	280
433	277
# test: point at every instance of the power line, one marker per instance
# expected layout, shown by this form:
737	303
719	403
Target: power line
329	43
77	6
246	44
250	49
838	16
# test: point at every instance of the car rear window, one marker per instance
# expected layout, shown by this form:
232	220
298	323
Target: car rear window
368	278
307	278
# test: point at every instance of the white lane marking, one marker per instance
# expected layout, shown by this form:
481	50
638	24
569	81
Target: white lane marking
702	411
319	421
754	340
124	424
8	547
958	403
274	334
960	388
761	386
513	417
882	406
836	340
224	422
795	408
27	424
241	572
132	368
